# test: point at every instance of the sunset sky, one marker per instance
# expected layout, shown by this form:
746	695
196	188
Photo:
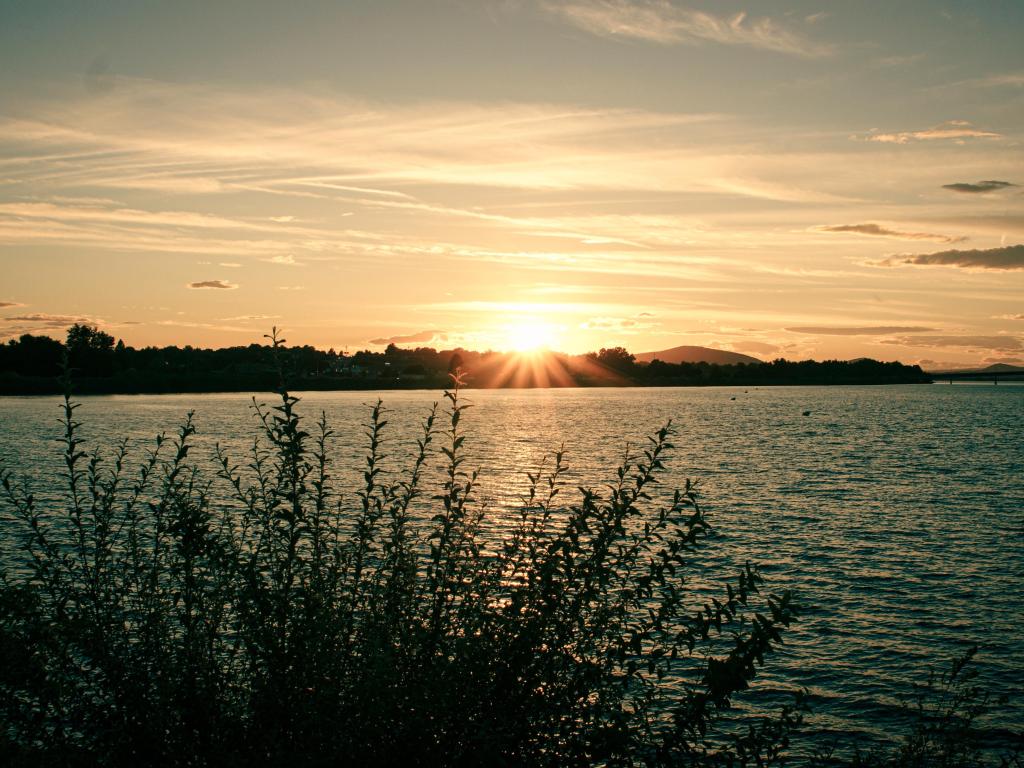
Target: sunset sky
778	178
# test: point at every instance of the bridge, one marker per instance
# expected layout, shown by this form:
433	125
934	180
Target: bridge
994	376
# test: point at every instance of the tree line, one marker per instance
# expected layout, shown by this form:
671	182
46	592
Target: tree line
100	364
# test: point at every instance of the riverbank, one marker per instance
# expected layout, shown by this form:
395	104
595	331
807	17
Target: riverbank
807	373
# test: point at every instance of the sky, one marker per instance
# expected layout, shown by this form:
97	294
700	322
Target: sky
778	178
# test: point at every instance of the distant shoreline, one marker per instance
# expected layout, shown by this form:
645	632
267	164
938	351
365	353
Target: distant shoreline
52	388
32	366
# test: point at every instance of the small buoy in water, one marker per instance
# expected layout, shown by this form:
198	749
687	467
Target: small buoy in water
807	413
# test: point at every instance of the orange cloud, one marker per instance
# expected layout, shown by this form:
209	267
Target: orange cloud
877	229
1008	257
221	284
951	129
658	21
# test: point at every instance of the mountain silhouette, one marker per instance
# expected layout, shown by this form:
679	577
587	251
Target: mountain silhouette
994	368
697	355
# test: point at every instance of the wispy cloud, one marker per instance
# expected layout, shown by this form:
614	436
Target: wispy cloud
1006	258
178	323
367	157
978	188
998	80
286	260
220	284
6	304
402	168
48	319
659	21
881	231
42	322
952	130
755	347
622	325
902	60
111	213
978	343
853	330
325	146
412	338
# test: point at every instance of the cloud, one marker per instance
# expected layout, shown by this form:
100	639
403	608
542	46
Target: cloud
42	322
899	61
618	324
1007	79
854	330
755	347
250	317
107	224
421	337
223	284
287	260
1009	317
957	130
986	343
361	154
659	21
877	229
981	188
210	326
311	145
1006	257
47	319
451	182
110	213
6	304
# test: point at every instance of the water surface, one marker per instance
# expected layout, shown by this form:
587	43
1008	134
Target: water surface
895	514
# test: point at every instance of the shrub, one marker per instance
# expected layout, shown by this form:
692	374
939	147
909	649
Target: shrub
151	625
946	716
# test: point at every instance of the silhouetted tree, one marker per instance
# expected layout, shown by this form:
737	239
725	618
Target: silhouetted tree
616	358
32	356
90	350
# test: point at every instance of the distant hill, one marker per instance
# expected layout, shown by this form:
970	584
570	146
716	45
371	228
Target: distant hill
1003	368
994	368
697	355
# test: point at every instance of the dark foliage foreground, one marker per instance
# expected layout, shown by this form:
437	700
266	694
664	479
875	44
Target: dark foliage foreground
150	626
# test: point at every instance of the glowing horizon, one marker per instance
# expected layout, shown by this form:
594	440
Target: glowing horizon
793	182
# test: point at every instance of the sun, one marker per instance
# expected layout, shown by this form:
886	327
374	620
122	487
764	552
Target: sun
529	335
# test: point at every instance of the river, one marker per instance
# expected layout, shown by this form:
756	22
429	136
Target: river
894	514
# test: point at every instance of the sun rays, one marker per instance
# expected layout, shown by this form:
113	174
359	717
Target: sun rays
530	335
